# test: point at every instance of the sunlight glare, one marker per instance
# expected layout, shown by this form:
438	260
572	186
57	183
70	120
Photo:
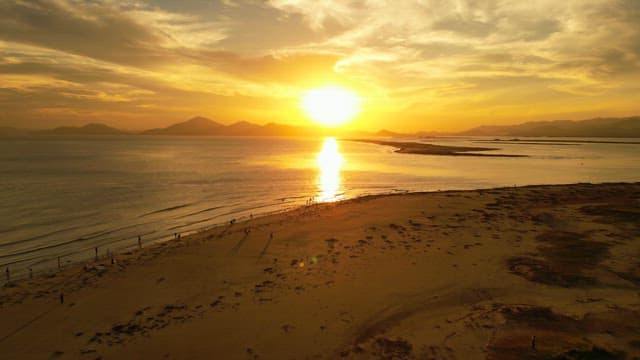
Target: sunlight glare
329	162
331	106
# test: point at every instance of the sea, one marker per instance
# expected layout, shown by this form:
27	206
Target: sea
63	197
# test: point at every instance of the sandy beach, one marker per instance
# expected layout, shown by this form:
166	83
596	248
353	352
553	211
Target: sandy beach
537	272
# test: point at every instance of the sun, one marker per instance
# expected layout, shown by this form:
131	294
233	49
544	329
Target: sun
331	106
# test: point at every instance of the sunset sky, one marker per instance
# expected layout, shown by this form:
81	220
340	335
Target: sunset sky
416	65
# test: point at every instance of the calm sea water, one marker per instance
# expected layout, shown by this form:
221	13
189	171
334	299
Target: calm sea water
66	196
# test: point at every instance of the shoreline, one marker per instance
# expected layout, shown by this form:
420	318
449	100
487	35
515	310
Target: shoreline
158	242
132	246
466	273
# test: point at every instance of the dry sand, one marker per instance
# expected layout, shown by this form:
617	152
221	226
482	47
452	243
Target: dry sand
447	275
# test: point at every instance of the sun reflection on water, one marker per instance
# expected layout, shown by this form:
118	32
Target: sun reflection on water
329	164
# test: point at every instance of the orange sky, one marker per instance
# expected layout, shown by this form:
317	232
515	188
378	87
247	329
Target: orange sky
417	65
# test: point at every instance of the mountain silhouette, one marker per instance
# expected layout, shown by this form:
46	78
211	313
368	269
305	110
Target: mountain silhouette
89	129
598	127
194	126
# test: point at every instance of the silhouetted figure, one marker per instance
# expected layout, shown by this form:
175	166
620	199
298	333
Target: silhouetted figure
270	236
30	273
96	250
59	266
533	342
139	242
61	298
8	274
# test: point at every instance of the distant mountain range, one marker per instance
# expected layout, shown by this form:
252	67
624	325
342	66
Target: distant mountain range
89	129
599	127
203	126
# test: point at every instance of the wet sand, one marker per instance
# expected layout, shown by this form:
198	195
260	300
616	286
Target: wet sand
538	272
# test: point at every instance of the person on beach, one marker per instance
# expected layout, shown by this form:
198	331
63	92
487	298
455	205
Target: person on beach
61	298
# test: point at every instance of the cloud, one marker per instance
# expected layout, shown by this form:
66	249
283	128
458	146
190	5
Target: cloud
583	42
115	31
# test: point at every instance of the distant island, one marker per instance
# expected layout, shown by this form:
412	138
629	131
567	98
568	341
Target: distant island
627	127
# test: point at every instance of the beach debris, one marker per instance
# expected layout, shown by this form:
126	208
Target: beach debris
331	243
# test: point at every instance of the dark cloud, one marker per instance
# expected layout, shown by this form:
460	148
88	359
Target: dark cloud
95	30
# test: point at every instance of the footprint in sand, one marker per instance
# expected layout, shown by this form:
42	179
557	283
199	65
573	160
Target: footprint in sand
287	328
